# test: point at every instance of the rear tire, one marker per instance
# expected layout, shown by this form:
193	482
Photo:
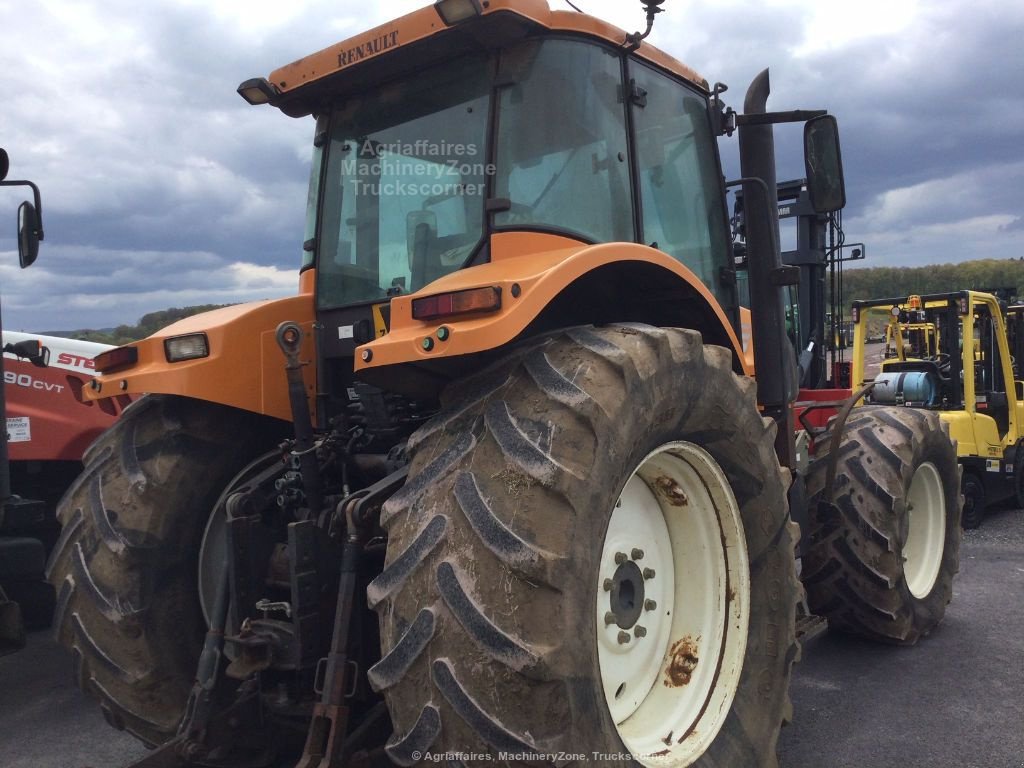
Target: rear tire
879	569
493	599
125	566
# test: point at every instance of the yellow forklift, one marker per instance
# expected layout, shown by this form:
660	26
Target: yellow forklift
968	376
914	340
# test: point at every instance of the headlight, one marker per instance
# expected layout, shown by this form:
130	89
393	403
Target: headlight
188	347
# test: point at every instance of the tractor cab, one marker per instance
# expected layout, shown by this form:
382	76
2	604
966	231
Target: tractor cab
452	191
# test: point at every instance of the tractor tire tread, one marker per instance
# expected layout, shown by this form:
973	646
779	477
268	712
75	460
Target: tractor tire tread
528	431
853	570
125	564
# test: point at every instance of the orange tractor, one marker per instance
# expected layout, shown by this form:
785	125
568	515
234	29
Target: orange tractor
507	479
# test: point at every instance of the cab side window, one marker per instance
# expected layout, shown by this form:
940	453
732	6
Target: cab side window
679	179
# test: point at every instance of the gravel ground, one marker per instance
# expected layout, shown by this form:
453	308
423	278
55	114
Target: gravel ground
954	701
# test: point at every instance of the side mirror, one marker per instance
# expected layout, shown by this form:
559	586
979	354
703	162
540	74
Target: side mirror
824	164
28	234
31	350
5	164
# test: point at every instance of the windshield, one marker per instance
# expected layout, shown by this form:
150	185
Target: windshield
405	184
561	155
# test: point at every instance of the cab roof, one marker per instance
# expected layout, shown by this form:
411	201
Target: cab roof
422	38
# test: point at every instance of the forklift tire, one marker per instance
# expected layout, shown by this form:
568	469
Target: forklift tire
974	500
876	566
125	566
592	562
1018	477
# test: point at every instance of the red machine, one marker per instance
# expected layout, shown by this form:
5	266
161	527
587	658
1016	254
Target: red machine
47	418
49	426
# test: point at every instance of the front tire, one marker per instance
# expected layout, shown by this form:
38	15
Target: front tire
507	553
125	566
883	566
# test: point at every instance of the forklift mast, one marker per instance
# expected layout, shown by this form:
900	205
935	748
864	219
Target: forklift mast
814	308
808	307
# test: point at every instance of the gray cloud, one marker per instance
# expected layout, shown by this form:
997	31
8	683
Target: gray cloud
162	187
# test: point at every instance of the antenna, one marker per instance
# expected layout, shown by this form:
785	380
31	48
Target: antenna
652	7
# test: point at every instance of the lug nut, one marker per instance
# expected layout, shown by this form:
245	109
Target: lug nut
607	585
624	638
650	605
609	619
637	554
648	573
620	558
640	631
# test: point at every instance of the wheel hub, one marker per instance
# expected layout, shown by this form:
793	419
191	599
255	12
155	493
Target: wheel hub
626	596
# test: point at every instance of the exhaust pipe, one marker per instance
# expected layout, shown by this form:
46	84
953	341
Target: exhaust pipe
774	358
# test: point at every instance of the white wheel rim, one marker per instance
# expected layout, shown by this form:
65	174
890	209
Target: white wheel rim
670	686
926	530
213	549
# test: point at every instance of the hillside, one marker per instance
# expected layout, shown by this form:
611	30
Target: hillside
146	326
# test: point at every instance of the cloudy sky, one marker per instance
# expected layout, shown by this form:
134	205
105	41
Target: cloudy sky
162	188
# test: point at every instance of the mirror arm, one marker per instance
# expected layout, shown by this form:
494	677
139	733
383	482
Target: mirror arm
37	198
773	118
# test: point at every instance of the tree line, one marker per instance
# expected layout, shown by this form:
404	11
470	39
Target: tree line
1004	277
148	325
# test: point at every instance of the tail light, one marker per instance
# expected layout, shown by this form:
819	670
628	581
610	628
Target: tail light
457	303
